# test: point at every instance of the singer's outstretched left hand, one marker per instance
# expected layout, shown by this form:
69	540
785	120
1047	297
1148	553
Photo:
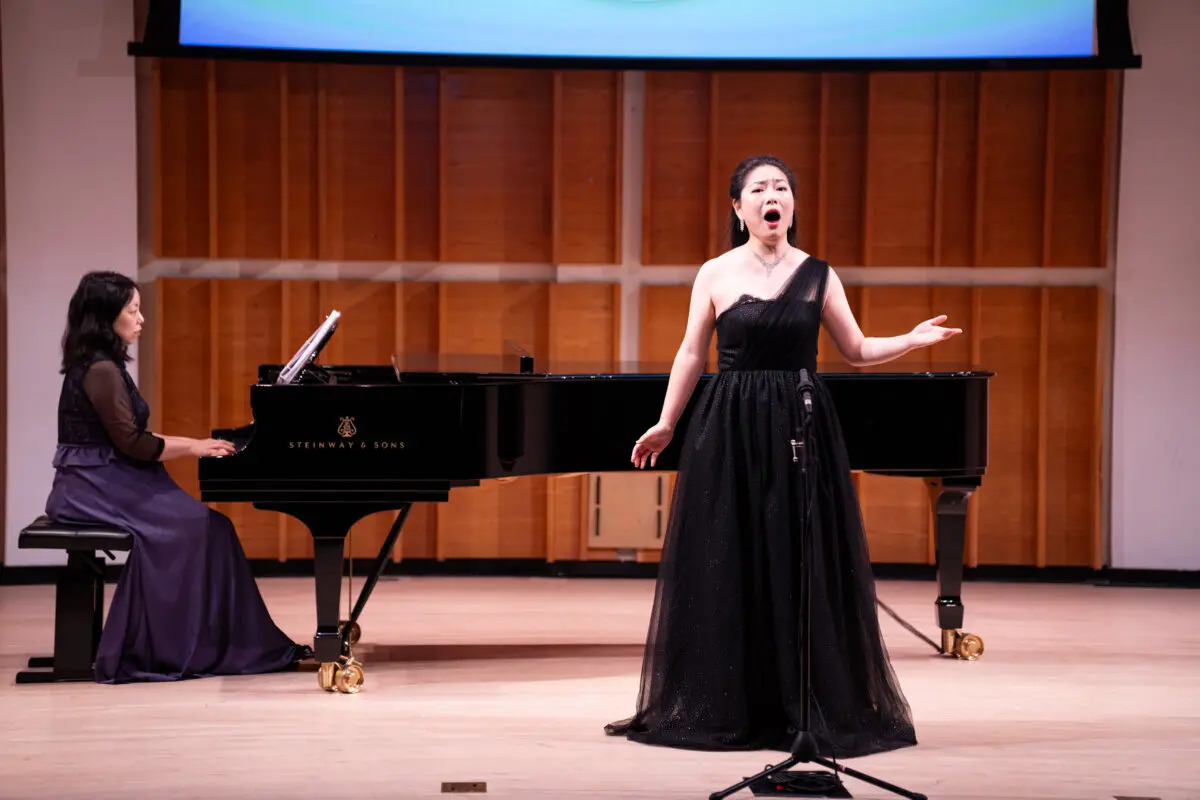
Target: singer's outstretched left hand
931	332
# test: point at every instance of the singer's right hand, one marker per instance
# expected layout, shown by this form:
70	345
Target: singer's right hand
651	443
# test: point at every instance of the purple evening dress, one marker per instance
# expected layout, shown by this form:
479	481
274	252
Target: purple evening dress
187	605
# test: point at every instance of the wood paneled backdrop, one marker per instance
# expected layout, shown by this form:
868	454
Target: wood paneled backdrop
346	163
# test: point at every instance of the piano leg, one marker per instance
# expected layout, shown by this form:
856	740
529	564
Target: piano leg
328	561
334	640
949	500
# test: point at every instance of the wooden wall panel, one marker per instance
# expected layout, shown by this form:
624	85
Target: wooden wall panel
1071	434
902	127
248	166
417	322
422	154
892	169
182	163
496	180
1075	218
478	318
842	189
663	317
587	167
371	163
357	162
955	169
1009	333
565	497
299	134
380	163
583	317
676	185
1012	169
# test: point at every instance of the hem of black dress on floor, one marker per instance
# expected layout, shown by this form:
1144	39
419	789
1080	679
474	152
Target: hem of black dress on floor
898	741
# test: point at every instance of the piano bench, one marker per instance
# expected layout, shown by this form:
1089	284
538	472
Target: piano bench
79	595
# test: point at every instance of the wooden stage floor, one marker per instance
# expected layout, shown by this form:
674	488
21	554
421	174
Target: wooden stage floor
1083	692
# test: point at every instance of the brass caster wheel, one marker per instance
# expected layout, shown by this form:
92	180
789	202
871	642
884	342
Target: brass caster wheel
350	677
355	632
327	675
970	647
964	646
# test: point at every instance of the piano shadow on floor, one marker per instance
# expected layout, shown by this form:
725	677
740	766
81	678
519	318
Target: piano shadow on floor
444	663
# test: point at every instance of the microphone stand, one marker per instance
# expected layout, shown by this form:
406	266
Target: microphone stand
777	780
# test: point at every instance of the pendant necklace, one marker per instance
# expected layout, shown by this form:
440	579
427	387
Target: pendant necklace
769	265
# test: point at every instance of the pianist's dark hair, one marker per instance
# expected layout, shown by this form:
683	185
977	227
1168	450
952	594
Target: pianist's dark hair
95	306
737	182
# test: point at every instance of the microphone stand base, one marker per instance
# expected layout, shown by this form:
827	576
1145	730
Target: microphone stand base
778	781
800	783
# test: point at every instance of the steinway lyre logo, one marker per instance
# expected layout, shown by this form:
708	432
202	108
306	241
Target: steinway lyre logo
347	430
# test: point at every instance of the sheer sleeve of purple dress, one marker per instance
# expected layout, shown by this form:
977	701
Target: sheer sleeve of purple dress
106	389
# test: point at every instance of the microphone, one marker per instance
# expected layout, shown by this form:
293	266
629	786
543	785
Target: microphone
806	390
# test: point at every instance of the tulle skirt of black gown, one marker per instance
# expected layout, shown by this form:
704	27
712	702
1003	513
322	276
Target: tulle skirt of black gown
186	604
721	669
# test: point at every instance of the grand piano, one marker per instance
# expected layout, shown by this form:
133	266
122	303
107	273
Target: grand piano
330	445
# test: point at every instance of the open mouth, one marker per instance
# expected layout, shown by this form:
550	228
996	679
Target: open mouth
772	216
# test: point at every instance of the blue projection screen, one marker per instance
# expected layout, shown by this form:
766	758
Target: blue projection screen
709	30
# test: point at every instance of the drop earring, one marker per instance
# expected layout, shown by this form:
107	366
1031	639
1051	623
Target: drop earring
742	224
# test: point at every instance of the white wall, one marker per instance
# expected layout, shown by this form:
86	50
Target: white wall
71	194
1155	516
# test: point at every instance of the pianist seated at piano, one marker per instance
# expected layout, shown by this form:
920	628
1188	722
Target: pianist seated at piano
186	605
722	668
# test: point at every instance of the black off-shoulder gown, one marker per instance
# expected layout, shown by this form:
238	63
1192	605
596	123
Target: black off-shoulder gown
722	662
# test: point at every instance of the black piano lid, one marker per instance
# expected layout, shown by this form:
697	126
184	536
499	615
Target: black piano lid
463	368
475	425
515	360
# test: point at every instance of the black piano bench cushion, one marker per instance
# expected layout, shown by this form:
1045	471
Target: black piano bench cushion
47	534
